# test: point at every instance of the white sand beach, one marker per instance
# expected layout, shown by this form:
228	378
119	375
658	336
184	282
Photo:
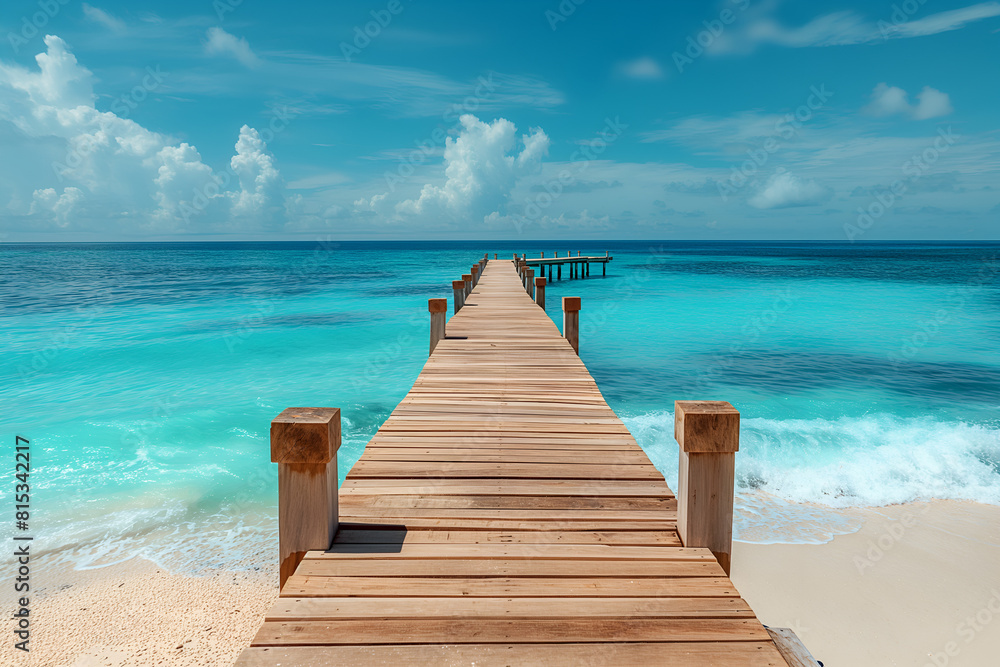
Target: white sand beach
918	585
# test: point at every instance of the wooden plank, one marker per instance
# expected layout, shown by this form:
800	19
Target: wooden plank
509	487
400	538
791	648
675	654
308	586
537	550
429	501
480	631
497	567
316	609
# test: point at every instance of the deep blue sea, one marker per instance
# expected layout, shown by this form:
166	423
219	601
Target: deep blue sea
146	375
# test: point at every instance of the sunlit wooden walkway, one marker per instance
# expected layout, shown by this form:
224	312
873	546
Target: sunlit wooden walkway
503	515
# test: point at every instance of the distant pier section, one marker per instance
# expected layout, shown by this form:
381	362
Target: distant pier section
577	266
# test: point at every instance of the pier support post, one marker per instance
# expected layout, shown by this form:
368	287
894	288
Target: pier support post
459	287
708	433
604	268
559	272
304	444
540	291
467	277
571	321
530	283
474	272
437	308
587	267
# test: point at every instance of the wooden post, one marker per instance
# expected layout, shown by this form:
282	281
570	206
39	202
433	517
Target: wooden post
556	254
559	272
550	272
459	287
543	255
467	277
708	433
587	267
437	308
474	271
571	321
540	291
604	268
530	280
304	444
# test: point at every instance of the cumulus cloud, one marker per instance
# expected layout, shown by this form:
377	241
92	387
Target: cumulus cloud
104	18
642	68
889	100
82	168
261	192
784	190
221	43
58	207
481	169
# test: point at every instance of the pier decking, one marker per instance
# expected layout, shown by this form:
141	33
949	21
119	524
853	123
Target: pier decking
503	515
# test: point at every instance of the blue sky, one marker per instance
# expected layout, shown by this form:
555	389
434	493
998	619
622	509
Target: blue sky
415	119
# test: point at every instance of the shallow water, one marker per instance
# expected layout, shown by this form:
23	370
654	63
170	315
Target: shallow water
146	375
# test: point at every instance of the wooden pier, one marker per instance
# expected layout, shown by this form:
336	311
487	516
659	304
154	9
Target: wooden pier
503	515
577	266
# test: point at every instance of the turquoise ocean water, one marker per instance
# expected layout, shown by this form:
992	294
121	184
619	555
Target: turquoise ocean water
146	375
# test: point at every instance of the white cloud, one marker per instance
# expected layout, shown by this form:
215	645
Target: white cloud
61	82
842	29
80	168
783	190
889	100
222	43
932	103
644	68
104	18
58	207
481	171
947	21
261	193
